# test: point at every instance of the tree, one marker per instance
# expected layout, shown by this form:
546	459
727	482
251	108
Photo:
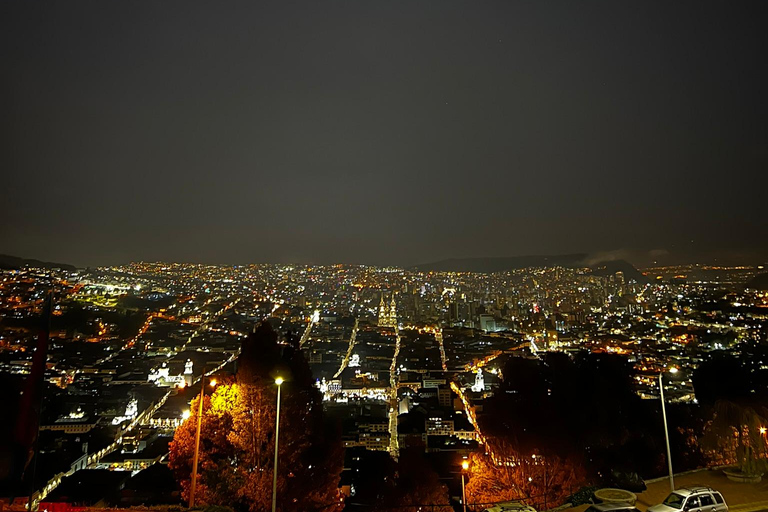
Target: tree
504	474
237	439
582	408
215	453
735	435
410	484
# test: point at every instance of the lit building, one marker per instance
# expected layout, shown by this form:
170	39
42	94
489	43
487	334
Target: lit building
387	315
437	426
479	385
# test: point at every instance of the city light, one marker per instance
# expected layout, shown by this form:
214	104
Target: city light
428	352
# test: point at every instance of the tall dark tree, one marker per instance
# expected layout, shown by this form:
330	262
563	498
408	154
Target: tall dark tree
408	484
237	445
582	409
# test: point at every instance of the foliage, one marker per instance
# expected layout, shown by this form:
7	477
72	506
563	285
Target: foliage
506	474
582	408
582	496
734	435
238	436
408	484
217	508
742	379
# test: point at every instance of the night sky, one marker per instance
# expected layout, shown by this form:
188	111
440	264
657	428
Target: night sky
382	132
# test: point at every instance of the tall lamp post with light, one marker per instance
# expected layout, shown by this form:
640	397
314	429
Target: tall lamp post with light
193	486
464	468
279	382
672	370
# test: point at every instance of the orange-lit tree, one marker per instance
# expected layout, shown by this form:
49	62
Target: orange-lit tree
737	435
504	474
237	439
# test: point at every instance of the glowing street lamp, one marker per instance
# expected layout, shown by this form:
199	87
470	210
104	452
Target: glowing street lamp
193	486
278	381
464	468
672	370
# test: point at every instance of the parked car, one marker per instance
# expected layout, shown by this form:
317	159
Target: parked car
612	507
692	499
627	480
510	506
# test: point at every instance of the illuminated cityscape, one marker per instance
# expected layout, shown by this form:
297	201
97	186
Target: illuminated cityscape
401	356
384	256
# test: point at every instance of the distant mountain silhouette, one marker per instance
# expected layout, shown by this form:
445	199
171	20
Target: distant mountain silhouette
14	262
489	265
759	282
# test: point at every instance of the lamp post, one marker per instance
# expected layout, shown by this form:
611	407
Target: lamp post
666	428
464	468
278	381
193	486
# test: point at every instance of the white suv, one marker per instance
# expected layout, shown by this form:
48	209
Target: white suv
692	499
510	506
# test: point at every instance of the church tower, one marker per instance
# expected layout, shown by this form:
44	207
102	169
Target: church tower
387	314
382	312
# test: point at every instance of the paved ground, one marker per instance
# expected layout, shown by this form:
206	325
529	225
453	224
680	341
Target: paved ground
740	497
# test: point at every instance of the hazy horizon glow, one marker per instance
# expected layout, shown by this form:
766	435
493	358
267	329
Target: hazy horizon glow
383	132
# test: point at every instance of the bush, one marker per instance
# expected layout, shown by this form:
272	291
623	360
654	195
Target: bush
583	495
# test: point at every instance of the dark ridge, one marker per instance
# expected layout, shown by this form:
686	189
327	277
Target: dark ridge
609	268
14	262
759	282
490	265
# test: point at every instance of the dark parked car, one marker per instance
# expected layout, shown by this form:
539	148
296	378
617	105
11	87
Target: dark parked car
627	480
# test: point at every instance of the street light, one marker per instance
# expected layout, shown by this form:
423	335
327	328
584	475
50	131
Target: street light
672	370
278	381
193	486
464	468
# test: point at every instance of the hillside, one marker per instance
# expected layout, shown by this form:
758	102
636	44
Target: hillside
489	265
759	282
14	262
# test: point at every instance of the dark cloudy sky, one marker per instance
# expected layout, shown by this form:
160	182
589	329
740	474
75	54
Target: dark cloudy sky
381	131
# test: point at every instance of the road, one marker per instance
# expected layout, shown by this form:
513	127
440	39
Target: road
394	381
439	338
312	321
345	361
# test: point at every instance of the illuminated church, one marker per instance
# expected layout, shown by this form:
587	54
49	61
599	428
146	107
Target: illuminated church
387	315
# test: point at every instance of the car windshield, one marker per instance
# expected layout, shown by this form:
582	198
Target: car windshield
674	501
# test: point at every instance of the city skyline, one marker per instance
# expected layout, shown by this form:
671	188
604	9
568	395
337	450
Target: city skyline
435	370
639	259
